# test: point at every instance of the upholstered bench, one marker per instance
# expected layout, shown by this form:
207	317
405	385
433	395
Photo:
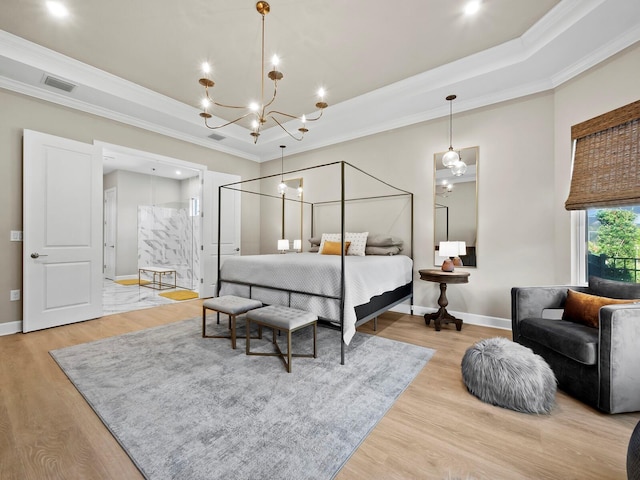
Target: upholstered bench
232	306
286	320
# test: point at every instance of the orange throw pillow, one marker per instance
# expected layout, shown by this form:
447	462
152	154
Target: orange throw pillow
333	248
584	308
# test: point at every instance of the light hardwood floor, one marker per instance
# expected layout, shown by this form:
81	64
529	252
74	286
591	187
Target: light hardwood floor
436	429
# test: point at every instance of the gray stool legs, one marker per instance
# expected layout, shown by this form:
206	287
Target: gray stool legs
232	306
232	327
279	353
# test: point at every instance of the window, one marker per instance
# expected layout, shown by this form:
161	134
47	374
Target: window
613	243
605	182
194	207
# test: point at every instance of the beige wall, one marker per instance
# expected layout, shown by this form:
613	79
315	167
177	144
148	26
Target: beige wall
20	112
524	233
610	85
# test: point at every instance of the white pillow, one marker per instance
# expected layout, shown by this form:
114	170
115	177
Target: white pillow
358	242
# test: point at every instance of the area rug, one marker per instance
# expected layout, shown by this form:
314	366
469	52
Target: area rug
180	295
132	281
187	407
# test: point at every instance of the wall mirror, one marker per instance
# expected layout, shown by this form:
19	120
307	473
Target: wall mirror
292	211
456	205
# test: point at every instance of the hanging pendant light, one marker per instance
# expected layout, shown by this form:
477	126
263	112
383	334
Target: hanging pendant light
451	157
459	168
282	188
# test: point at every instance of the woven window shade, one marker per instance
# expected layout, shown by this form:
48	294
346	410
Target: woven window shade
606	164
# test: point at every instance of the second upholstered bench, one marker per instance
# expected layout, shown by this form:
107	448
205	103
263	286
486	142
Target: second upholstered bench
284	319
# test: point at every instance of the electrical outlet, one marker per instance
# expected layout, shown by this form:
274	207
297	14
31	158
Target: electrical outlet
16	236
15	295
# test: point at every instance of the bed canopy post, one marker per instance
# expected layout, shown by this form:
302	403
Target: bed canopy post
312	229
342	252
411	300
219	238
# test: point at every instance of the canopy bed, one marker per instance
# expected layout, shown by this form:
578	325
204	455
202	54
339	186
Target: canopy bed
346	289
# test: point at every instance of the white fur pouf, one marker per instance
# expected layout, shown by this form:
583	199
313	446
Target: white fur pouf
507	374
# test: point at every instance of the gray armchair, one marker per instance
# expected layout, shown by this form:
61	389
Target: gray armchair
599	366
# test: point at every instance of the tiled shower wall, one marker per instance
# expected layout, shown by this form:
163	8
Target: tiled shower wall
167	238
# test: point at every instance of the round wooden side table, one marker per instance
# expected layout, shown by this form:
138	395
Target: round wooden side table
443	278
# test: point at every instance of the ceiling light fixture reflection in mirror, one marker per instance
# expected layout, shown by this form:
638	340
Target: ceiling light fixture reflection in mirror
456	205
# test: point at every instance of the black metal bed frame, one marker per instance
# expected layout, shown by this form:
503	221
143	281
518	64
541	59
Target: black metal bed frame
405	292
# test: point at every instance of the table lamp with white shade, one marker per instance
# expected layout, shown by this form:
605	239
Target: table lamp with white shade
453	250
283	245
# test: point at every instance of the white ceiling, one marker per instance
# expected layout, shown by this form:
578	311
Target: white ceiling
383	65
113	160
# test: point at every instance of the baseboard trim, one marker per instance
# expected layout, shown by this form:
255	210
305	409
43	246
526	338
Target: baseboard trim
470	318
9	328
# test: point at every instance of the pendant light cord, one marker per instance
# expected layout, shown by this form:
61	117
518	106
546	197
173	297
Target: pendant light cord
450	99
450	124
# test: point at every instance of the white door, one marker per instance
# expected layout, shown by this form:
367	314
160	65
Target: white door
110	222
229	231
62	222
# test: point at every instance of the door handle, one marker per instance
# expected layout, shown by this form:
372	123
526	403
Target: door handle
238	249
37	255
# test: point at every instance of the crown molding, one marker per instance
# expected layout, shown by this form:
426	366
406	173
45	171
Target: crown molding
599	55
559	19
65	101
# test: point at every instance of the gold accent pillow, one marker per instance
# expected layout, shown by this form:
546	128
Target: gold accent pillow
333	248
584	308
358	241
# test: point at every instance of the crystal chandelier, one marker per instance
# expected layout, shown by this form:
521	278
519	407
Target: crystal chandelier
260	113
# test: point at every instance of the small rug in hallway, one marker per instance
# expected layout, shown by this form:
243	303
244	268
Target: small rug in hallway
132	281
187	407
179	295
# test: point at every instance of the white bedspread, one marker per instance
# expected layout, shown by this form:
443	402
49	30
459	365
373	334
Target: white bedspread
365	277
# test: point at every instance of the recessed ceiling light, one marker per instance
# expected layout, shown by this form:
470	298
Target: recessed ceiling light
472	7
57	9
178	172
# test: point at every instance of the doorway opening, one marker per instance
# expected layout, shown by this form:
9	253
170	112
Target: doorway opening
152	219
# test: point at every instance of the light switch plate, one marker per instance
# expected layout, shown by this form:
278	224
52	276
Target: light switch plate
15	295
16	235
